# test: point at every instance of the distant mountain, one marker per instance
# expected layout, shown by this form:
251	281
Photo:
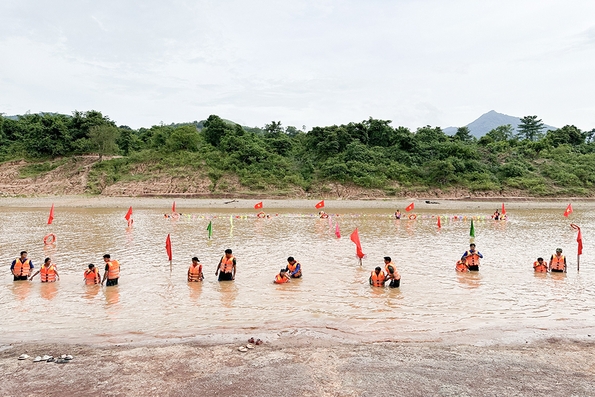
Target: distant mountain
487	122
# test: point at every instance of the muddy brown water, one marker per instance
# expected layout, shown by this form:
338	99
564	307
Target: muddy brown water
504	301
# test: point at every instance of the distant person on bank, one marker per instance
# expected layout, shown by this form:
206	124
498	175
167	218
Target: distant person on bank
112	271
226	269
21	267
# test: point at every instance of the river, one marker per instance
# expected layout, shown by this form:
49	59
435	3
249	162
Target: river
505	301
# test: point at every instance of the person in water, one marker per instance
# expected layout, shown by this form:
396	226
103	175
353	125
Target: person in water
226	269
294	268
397	214
391	273
323	214
282	277
496	215
21	267
540	266
91	275
377	277
471	258
48	271
195	271
558	262
112	271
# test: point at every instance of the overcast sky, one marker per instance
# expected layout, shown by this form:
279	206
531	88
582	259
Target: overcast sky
313	63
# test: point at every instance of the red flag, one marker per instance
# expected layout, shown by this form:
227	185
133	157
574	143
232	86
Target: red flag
128	214
51	217
168	247
337	232
568	210
579	238
503	209
410	207
173	207
258	205
439	225
358	246
320	204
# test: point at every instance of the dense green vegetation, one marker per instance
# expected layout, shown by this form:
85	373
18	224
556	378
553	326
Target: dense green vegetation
370	154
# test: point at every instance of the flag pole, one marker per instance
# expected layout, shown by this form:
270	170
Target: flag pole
578	263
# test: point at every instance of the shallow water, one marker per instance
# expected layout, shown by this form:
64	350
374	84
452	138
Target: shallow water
505	300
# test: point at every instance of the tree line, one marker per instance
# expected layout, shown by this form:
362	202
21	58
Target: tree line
371	153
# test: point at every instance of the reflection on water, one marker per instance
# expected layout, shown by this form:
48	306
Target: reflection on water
195	290
112	295
91	291
21	289
434	301
469	279
48	290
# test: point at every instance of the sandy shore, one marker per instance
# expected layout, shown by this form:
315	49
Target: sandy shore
304	367
283	204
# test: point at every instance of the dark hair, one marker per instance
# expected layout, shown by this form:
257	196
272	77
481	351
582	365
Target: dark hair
46	259
91	266
228	251
23	252
472	244
387	258
106	256
290	259
195	259
282	270
378	268
539	259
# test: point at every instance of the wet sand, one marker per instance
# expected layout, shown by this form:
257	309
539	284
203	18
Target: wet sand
298	366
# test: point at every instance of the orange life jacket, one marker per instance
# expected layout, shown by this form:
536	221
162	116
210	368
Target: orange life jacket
227	264
22	268
48	274
472	259
461	266
377	279
92	276
558	262
292	268
540	267
396	273
113	270
281	279
194	272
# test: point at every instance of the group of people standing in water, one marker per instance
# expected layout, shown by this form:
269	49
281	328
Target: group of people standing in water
22	269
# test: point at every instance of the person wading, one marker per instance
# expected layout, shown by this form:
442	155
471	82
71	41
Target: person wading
112	271
226	269
471	258
21	267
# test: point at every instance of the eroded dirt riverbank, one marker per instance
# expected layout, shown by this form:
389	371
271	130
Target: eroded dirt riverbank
304	367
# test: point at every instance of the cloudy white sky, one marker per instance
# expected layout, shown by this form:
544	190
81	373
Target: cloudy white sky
301	62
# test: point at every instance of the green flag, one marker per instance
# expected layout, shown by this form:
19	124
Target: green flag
472	231
210	229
